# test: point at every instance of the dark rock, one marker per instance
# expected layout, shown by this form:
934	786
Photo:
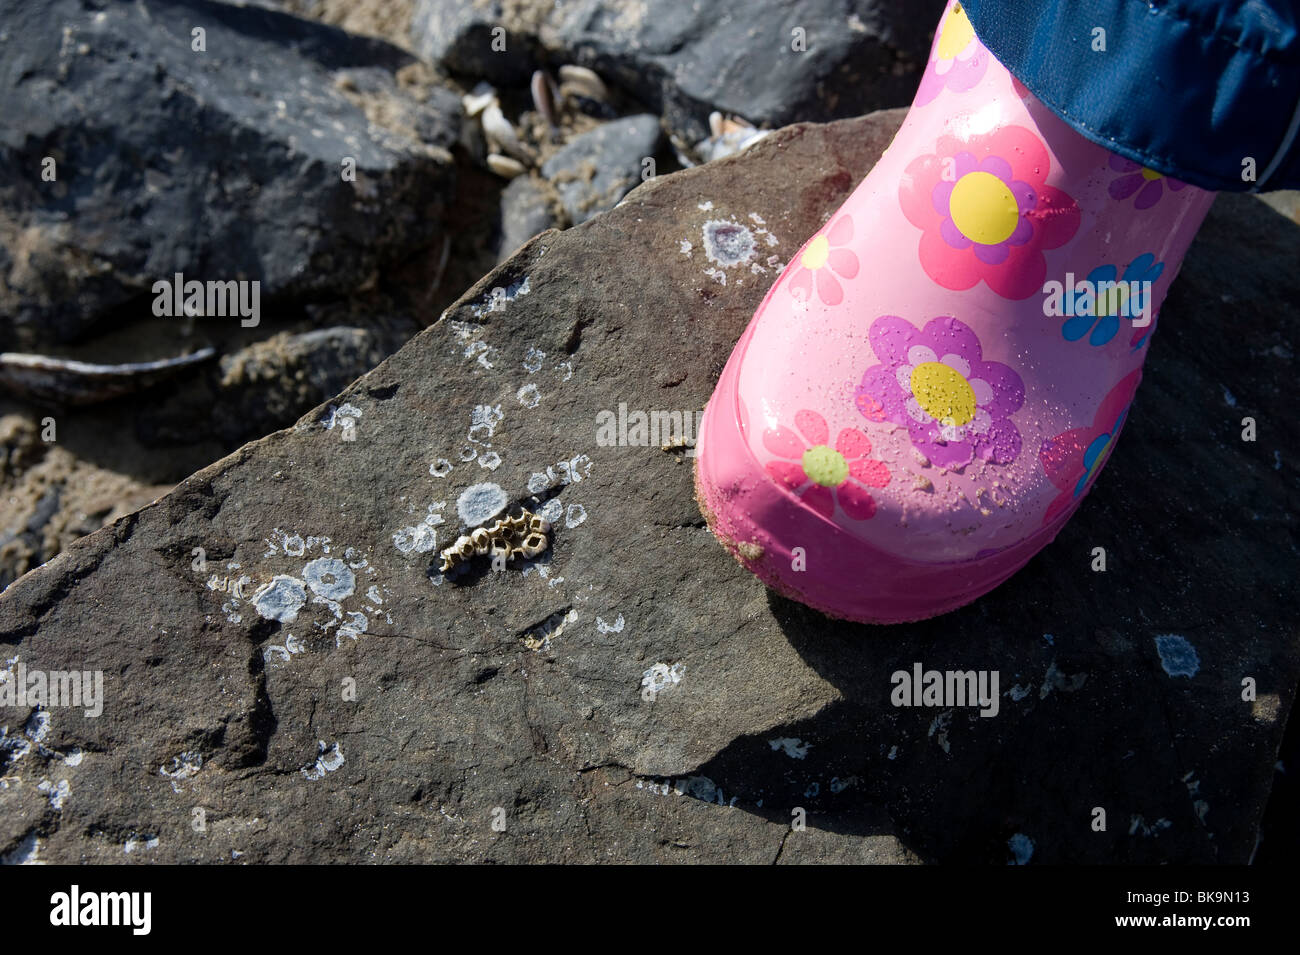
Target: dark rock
597	169
526	210
518	695
687	59
223	165
471	39
269	384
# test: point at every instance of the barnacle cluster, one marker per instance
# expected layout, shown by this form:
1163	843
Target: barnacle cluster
517	535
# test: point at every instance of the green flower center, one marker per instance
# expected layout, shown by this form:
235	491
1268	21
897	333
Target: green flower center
825	466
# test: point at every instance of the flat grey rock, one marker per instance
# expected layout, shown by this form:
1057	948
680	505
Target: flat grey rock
597	169
315	691
525	212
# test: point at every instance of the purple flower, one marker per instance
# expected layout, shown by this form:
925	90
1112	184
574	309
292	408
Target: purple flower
1147	183
934	382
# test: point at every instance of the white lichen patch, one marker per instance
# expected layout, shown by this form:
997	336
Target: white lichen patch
57	793
1177	656
489	461
281	599
481	502
575	515
183	765
27	852
533	360
483	421
661	677
136	842
793	747
440	468
344	418
939	730
293	544
469	335
329	758
728	243
1022	849
552	511
321	581
615	627
420	538
1139	824
330	578
37	728
355	623
561	474
529	396
501	296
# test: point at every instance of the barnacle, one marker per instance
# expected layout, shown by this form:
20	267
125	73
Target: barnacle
520	535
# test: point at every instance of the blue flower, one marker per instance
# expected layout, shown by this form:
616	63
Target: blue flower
1103	320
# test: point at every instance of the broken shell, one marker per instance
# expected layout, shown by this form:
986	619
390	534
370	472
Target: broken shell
580	81
505	166
480	99
544	98
66	381
499	131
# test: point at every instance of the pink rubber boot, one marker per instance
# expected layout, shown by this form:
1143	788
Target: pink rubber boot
932	385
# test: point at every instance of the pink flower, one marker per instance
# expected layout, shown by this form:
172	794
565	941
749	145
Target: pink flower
957	59
824	257
821	475
1072	459
1135	178
935	382
986	211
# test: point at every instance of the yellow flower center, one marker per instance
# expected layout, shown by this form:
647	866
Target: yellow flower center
825	466
814	257
955	34
1150	174
983	208
943	393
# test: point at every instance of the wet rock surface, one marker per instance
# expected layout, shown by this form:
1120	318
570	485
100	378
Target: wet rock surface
319	692
220	163
765	60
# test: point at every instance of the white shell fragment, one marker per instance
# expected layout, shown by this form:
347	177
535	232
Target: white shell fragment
505	166
580	81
